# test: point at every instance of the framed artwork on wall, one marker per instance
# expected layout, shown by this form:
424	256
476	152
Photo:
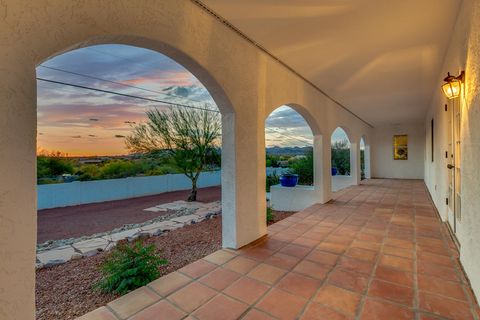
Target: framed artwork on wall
400	147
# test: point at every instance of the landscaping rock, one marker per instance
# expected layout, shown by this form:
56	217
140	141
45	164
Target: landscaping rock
188	219
76	256
122	235
183	213
59	255
92	246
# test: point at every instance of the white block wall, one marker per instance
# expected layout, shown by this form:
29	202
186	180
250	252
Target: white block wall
83	192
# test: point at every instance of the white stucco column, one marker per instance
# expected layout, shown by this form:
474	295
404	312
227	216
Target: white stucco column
318	171
18	218
367	162
323	164
355	172
243	179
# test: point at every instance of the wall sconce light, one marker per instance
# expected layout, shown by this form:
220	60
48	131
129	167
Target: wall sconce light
453	85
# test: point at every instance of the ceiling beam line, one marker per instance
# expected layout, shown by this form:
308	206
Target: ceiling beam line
271	55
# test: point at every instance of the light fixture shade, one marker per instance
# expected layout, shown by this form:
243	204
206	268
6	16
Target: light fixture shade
452	88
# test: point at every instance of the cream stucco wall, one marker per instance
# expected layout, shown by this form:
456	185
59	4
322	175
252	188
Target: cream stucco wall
383	165
245	83
463	54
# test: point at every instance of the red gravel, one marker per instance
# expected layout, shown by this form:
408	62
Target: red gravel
65	291
88	219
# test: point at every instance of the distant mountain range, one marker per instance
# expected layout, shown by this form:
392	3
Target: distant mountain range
288	151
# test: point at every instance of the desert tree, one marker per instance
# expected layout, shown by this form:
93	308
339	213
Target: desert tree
190	136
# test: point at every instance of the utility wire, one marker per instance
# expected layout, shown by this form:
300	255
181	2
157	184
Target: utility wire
116	82
137	97
123	94
287	136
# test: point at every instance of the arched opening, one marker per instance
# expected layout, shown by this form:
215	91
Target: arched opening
341	162
95	192
292	151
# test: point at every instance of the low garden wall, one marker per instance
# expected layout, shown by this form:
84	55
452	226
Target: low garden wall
83	192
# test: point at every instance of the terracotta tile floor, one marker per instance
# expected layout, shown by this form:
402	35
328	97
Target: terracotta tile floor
378	251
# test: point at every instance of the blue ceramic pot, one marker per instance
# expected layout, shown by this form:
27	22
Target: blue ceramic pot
334	171
289	180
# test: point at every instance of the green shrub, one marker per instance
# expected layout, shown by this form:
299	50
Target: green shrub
272	180
52	165
115	169
270	215
88	172
304	168
341	157
130	266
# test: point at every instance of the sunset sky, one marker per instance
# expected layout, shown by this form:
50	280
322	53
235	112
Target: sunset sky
84	122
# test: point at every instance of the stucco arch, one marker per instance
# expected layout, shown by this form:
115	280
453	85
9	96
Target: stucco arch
187	61
321	178
304	112
347	131
221	99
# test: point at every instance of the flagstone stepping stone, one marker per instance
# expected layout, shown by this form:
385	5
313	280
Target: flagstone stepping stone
91	246
188	219
56	256
121	235
156	209
162	226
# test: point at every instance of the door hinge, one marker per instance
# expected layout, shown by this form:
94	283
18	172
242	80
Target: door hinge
446	201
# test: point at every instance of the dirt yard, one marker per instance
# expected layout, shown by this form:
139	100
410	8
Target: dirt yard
88	219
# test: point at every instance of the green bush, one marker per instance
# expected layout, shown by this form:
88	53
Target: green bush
88	172
272	180
304	168
270	215
52	165
341	157
130	266
120	169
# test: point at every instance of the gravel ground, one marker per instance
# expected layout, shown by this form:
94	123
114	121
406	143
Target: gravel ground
65	291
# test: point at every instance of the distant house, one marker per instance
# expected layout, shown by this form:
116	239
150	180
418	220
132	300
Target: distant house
283	163
90	161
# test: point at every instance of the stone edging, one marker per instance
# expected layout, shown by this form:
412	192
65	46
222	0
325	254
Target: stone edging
60	251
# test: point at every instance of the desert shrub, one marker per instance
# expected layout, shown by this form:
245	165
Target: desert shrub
304	168
130	266
88	172
272	180
341	157
270	215
53	164
120	169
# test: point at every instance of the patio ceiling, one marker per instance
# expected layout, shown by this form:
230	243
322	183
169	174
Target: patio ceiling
381	59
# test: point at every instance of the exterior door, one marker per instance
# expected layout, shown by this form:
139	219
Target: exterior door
454	197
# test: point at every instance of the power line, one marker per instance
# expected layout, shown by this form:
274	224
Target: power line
116	82
287	136
123	94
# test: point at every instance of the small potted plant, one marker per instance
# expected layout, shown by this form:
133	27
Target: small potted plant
334	171
289	180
